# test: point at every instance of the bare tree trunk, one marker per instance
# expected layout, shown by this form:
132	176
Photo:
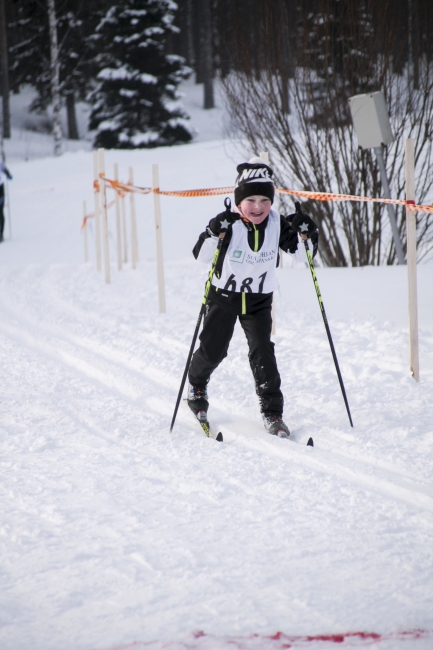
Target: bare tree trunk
208	54
415	43
224	35
55	78
197	25
72	117
189	33
4	72
285	71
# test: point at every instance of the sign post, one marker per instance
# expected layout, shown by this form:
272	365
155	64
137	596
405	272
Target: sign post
134	241
409	168
86	246
118	235
104	216
158	234
96	182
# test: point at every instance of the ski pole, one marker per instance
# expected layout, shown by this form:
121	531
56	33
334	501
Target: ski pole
227	204
325	320
7	196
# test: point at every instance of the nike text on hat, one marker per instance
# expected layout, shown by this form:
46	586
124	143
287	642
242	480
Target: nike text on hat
254	178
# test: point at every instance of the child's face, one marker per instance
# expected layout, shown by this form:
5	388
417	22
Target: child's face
255	208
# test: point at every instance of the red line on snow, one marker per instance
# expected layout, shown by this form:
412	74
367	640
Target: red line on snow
347	636
277	641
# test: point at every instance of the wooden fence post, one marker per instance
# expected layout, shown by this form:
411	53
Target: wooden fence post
158	234
96	183
409	168
125	240
134	242
86	244
104	219
118	232
264	155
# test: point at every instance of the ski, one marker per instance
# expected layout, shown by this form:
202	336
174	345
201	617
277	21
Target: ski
310	441
205	426
209	431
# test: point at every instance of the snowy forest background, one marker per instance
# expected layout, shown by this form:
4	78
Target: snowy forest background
286	70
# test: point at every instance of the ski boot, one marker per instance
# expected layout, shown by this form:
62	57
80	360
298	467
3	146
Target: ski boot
274	424
198	402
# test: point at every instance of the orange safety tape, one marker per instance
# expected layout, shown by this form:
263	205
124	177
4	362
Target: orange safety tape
85	219
211	191
126	187
92	214
315	196
327	196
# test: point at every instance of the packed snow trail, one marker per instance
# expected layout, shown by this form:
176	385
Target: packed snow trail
114	531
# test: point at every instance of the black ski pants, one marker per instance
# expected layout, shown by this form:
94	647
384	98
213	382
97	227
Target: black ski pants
218	326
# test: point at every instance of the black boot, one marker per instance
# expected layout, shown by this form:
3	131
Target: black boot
274	424
197	401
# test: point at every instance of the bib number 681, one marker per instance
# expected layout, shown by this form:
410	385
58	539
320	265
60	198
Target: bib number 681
245	287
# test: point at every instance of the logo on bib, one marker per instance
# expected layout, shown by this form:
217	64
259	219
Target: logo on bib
237	256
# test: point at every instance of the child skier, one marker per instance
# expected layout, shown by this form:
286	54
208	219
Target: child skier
242	287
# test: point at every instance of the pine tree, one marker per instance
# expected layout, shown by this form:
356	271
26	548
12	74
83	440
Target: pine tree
135	100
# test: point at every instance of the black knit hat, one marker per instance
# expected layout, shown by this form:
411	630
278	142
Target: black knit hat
254	177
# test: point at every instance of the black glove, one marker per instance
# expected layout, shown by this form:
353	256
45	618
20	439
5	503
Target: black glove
304	225
223	220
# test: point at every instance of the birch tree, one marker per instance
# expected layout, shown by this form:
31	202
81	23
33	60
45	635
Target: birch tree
55	78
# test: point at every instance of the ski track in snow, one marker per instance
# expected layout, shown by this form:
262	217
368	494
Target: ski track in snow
117	534
125	531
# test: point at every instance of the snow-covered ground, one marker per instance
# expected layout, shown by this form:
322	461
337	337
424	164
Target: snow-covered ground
116	533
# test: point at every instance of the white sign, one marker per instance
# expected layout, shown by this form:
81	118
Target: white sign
371	120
